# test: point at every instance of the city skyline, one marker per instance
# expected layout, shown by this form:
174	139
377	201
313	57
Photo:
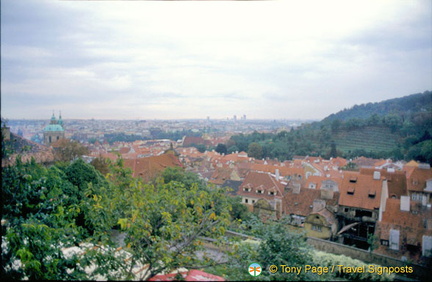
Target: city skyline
191	60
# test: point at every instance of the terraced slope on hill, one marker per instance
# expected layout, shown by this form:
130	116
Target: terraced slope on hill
370	139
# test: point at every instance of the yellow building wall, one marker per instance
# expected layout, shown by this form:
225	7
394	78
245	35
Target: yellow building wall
324	234
311	220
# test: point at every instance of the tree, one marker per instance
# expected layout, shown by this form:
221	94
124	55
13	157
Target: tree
277	246
221	149
333	151
233	149
46	207
39	213
255	150
200	147
68	150
80	174
162	222
101	164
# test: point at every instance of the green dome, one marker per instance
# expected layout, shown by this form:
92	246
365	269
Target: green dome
53	127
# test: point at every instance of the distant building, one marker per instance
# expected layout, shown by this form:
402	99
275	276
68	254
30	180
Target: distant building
54	131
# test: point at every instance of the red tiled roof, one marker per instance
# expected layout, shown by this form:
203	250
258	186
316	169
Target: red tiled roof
417	177
396	180
355	190
191	140
302	203
411	223
256	181
150	167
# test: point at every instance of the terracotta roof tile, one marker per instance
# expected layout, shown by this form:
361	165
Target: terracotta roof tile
356	188
417	177
150	167
256	182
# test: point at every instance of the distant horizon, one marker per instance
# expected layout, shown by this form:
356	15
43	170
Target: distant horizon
161	119
229	118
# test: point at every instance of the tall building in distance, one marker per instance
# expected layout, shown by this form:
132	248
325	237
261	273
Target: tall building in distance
54	131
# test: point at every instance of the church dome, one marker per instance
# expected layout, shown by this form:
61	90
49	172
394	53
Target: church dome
53	127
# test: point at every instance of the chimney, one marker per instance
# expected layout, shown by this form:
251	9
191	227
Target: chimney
405	203
318	205
377	175
326	194
383	200
296	188
277	174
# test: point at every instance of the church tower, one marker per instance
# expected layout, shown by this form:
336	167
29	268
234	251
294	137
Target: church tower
54	131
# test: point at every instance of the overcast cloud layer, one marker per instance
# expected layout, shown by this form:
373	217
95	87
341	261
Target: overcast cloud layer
172	60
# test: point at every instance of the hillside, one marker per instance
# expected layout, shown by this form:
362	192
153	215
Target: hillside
421	102
400	129
369	139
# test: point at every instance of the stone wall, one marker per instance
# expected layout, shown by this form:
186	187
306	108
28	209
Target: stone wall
420	272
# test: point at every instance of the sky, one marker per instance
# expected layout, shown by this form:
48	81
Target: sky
197	59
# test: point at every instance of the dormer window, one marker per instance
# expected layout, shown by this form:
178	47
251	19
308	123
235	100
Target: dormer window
371	194
272	193
353	180
350	190
246	189
260	191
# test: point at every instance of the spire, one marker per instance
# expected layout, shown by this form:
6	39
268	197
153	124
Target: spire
60	121
53	119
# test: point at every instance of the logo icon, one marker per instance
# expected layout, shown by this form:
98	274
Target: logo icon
273	268
254	269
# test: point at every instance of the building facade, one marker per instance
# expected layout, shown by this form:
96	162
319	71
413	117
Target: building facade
54	131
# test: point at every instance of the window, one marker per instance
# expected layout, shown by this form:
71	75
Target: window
316	228
260	191
427	246
353	180
394	239
246	189
253	201
416	197
361	213
272	193
246	201
350	190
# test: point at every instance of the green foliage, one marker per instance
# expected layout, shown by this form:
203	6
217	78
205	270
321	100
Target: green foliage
332	260
385	132
50	208
200	147
101	165
233	149
80	174
40	210
69	150
163	221
278	247
255	150
238	210
178	174
401	107
221	148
